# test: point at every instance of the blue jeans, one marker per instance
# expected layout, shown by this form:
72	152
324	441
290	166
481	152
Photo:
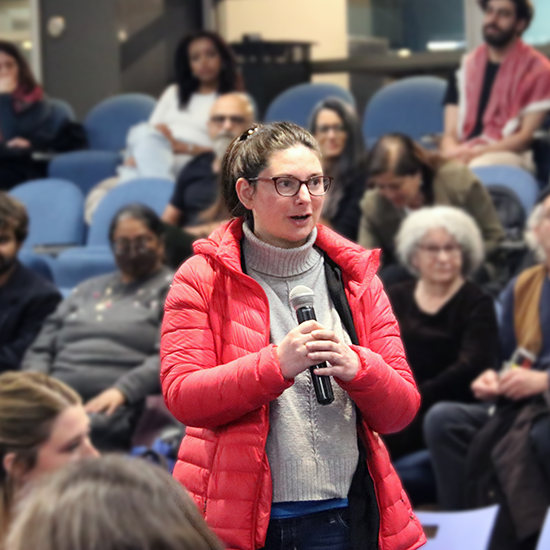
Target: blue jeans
327	530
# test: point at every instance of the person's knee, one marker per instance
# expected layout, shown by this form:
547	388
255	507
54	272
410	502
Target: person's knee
437	420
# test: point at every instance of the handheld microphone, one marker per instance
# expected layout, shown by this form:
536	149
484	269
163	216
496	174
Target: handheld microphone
301	299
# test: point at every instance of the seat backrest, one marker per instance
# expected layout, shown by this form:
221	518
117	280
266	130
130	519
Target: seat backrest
84	168
411	106
37	263
509	209
521	182
56	211
107	124
297	103
544	539
469	530
153	192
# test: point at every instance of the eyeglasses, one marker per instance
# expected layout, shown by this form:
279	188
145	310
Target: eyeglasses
139	244
326	128
288	186
220	119
434	251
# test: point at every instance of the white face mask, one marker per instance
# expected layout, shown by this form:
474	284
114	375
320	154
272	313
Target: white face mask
221	143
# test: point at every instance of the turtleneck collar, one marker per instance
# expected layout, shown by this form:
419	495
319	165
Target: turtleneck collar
278	262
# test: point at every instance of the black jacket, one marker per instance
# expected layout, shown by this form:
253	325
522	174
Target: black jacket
25	302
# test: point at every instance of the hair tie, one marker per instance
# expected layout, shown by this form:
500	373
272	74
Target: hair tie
248	133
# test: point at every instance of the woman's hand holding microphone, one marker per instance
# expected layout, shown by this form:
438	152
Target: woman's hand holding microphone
310	344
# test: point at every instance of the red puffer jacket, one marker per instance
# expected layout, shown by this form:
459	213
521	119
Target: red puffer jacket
219	374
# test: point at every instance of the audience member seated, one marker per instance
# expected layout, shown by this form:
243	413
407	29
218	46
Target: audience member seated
405	177
337	129
500	95
177	130
110	503
103	340
448	324
26	299
43	427
484	454
198	189
28	121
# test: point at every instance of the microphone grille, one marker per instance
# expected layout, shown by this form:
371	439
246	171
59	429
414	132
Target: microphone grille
301	296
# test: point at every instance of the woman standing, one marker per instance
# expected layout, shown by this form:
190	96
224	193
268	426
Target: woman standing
448	324
263	460
177	130
43	427
337	129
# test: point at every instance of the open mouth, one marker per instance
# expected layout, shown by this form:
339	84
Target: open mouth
300	218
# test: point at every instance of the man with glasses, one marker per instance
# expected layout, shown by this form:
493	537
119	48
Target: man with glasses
500	95
197	187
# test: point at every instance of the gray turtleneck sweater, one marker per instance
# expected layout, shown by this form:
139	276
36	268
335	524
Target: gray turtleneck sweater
311	448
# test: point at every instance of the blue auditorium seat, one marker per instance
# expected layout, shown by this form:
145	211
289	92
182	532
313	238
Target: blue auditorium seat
297	103
37	263
544	539
85	168
107	124
96	258
411	106
56	212
519	181
153	192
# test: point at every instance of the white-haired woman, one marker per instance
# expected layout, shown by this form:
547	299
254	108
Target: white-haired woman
448	324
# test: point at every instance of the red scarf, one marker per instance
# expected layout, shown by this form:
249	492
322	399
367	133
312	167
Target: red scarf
23	100
522	86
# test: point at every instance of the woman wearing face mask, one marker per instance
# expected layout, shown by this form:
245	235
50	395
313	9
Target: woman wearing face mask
337	129
43	427
404	177
265	462
103	339
177	130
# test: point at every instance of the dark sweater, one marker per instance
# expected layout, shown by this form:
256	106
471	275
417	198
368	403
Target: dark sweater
446	350
25	301
105	334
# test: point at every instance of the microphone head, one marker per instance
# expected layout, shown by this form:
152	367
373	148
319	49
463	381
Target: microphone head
301	296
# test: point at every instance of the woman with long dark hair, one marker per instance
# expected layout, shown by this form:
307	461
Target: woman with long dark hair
28	121
405	177
177	130
268	465
337	129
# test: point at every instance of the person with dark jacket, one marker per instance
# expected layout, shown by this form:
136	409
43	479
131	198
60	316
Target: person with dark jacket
337	129
448	324
26	299
103	340
29	122
497	451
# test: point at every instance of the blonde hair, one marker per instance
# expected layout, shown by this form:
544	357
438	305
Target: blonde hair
29	404
112	503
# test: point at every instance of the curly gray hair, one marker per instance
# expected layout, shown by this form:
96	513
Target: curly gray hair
535	219
457	223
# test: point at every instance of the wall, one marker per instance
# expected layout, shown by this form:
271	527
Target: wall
112	46
323	22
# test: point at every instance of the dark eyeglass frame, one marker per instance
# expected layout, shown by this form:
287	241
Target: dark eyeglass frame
234	119
139	244
327	181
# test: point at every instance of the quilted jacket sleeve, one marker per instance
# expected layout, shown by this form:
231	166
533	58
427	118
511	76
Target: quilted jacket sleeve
384	388
199	391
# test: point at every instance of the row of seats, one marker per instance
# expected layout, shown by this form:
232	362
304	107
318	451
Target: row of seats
56	211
